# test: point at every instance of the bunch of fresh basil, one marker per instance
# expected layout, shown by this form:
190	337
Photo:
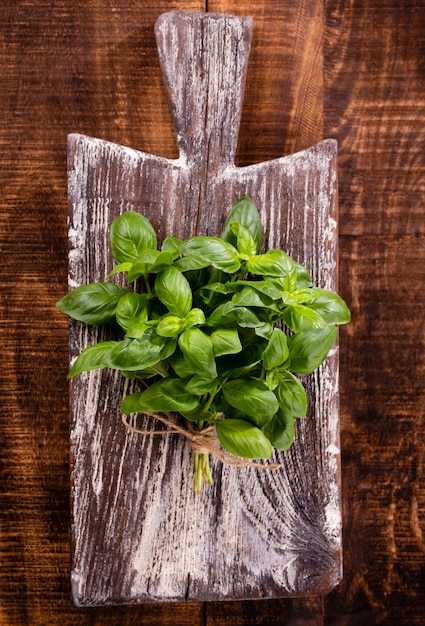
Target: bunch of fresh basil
220	330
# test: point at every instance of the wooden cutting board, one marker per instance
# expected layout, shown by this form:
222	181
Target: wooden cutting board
139	532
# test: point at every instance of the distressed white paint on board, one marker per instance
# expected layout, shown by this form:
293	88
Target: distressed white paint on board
139	531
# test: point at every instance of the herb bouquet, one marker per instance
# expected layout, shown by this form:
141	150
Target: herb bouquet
217	334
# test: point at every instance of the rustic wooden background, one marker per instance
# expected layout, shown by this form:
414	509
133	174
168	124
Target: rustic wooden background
91	67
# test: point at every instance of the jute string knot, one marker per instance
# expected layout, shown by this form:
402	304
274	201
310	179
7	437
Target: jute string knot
201	441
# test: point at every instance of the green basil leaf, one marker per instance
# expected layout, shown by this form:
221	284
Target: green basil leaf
195	415
285	284
253	297
94	303
272	263
213	250
291	395
280	431
272	379
160	369
133	354
92	358
199	385
243	439
276	352
172	243
298	317
330	306
244	240
245	212
195	317
191	263
250	396
132	309
150	262
173	290
223	288
170	326
228	313
168	394
226	341
303	276
121	267
131	234
265	330
309	348
300	295
265	287
179	365
198	352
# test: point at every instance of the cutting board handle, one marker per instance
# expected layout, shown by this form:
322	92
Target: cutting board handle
204	58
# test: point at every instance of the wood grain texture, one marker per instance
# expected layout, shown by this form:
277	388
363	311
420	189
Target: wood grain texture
54	65
92	67
376	109
256	533
284	110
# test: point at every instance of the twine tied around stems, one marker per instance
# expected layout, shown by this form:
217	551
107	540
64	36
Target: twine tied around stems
201	441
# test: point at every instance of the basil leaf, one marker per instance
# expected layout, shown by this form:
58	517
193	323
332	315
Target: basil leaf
226	341
252	297
251	396
172	243
228	313
213	250
276	352
179	365
190	263
265	287
272	263
330	306
94	303
131	234
168	394
223	288
303	276
170	326
245	243
173	290
151	262
285	284
91	358
121	267
264	330
132	309
160	369
195	317
299	317
245	212
195	415
298	296
280	431
198	352
291	395
243	439
309	348
132	355
199	385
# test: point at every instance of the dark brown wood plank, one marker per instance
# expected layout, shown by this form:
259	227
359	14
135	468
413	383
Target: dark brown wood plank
375	108
283	110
